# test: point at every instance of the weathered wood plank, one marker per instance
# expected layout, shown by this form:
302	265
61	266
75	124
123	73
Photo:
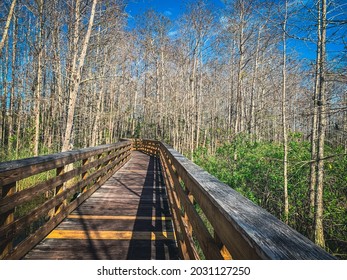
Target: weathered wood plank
103	249
175	211
104	217
110	235
7	217
142	225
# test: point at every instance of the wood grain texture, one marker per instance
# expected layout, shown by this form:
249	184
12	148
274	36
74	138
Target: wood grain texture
126	218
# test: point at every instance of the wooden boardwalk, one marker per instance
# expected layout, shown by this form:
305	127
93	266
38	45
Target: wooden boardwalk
127	218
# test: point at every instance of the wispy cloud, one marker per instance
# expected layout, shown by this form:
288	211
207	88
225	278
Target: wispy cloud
168	13
173	33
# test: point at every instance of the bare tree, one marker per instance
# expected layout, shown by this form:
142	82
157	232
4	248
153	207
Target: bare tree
77	70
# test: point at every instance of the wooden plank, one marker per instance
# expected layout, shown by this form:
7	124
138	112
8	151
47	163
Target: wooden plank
75	249
117	225
105	217
110	235
17	226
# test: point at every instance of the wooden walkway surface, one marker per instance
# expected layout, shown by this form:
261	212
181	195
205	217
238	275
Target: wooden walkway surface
127	218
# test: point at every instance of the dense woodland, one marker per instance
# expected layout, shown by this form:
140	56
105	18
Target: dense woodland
254	91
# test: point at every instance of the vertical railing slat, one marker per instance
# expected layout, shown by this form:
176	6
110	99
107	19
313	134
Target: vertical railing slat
7	217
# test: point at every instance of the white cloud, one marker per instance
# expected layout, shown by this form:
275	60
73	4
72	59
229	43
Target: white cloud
173	33
168	13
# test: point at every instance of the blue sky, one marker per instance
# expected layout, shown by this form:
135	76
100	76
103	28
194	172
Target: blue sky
174	8
171	8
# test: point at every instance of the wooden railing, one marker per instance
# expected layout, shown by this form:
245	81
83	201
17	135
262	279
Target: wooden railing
213	221
65	180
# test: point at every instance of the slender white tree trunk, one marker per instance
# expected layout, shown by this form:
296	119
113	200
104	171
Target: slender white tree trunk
7	26
76	79
38	90
313	138
322	122
284	116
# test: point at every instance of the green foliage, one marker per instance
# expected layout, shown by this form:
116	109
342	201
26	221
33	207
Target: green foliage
255	169
138	129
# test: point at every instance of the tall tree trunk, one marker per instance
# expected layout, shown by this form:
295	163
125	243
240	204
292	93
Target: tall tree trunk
239	91
134	122
284	116
58	87
12	91
4	72
99	94
157	121
163	86
76	78
199	104
38	88
322	121
193	104
19	119
251	127
313	138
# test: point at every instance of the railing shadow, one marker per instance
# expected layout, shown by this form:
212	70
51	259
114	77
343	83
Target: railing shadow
153	206
95	247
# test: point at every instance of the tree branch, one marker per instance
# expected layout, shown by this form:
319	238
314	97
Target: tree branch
7	26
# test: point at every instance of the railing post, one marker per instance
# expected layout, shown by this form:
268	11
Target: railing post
59	189
223	250
186	218
99	167
7	218
108	154
84	174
